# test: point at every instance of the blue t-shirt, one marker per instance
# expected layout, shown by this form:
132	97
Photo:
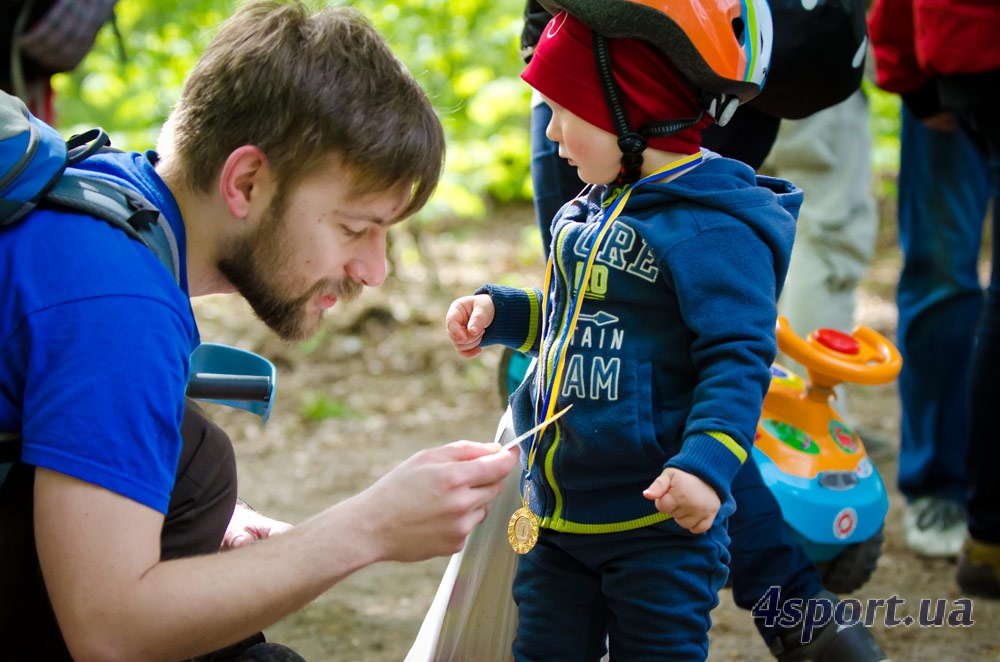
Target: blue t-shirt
95	337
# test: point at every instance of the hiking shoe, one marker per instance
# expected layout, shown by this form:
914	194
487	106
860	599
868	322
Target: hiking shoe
934	526
979	569
830	643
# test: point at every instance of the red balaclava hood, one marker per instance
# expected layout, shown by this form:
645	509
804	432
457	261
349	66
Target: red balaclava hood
563	69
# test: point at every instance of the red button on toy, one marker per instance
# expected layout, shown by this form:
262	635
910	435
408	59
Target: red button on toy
838	341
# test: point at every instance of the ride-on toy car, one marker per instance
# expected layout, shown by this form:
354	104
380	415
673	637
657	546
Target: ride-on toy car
832	497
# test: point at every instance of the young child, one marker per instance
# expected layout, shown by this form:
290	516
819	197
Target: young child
656	323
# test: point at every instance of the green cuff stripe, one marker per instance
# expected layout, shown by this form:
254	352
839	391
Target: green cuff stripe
532	321
728	442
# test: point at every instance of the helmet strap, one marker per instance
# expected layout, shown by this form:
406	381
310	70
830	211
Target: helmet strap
722	107
631	142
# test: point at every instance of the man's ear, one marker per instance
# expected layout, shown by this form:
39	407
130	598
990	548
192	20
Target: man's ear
245	180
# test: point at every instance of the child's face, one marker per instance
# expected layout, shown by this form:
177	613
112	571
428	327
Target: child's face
593	151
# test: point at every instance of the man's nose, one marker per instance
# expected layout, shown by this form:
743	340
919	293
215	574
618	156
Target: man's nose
368	265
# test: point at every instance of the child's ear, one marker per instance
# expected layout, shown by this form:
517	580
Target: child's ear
245	180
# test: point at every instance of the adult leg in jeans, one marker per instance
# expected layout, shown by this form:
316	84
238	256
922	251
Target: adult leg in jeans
943	194
979	565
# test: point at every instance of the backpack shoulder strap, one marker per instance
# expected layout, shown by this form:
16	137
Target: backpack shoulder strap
124	209
33	160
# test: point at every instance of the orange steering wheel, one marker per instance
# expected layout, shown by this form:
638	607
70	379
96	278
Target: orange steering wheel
831	357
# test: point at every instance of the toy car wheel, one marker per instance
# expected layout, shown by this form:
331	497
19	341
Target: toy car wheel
853	567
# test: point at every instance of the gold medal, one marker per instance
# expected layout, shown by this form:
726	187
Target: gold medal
522	531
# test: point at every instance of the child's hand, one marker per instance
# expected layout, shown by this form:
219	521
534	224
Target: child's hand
466	322
248	526
688	499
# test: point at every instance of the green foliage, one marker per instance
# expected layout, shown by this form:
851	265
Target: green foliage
463	52
129	87
884	109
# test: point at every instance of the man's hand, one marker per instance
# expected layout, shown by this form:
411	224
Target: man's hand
466	322
688	499
248	526
429	504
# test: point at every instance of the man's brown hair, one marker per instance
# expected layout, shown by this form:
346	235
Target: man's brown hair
303	86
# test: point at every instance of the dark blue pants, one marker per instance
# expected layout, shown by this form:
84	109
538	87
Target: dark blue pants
762	553
943	194
984	451
651	591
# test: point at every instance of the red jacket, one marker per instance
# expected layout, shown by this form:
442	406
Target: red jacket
915	41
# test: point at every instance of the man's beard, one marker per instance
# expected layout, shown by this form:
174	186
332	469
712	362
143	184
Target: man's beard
252	265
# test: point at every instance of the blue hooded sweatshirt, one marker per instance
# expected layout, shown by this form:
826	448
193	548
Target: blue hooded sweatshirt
669	361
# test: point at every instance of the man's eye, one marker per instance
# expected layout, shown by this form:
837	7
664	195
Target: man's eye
351	232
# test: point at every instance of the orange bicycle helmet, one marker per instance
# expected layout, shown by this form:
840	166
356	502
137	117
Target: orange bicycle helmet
723	47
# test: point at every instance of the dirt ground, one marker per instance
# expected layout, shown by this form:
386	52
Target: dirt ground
381	382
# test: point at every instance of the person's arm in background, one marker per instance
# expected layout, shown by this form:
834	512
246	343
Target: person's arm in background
890	28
